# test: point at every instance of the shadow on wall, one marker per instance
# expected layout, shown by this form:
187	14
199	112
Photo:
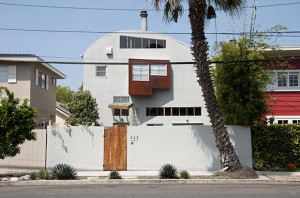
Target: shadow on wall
205	141
158	98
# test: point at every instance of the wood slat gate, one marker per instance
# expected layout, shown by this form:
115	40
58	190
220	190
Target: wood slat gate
115	148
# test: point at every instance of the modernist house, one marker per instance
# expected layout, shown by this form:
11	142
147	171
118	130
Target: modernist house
286	89
29	77
135	79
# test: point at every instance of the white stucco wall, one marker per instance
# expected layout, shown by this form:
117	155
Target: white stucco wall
184	91
148	148
186	147
80	147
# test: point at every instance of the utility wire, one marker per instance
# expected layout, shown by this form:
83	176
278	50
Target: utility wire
138	32
119	9
172	63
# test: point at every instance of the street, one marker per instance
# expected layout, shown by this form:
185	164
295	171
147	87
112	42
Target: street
152	191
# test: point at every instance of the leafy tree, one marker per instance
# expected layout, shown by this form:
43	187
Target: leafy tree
64	94
83	109
199	12
16	123
240	87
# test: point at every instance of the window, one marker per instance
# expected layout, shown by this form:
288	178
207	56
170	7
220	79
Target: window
140	72
158	69
8	74
53	81
41	79
127	42
173	111
3	73
293	79
282	121
121	112
101	71
296	121
156	124
121	99
282	78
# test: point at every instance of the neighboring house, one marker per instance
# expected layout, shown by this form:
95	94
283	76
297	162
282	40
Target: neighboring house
62	113
29	77
286	89
147	90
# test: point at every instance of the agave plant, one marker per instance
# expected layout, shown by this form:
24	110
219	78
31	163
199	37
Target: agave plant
168	171
63	172
114	175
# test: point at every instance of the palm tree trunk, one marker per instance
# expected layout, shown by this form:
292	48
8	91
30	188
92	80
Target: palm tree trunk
229	158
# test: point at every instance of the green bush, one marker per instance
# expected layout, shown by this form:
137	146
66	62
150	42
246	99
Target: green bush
63	172
275	146
33	176
44	174
114	175
168	171
184	174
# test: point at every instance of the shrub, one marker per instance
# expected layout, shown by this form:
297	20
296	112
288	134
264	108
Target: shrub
168	171
275	146
114	175
291	167
184	174
44	174
63	172
33	176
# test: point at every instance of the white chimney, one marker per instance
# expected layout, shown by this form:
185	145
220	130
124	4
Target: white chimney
144	20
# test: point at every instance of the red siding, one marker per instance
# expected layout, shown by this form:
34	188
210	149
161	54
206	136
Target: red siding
286	103
155	82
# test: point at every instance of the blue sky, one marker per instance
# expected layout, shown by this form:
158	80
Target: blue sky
69	46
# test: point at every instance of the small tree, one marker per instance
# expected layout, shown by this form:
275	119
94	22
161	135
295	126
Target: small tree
64	94
16	123
83	109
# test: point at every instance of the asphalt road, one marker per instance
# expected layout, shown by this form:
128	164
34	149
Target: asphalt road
153	191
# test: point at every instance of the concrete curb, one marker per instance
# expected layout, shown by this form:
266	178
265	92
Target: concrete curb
149	181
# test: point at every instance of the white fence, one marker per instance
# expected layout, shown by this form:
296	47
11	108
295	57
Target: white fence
187	147
32	156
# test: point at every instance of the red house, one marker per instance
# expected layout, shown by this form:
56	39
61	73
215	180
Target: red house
285	89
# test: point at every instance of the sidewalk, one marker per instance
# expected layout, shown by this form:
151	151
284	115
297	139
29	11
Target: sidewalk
132	177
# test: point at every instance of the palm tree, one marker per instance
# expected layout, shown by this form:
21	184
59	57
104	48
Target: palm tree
199	12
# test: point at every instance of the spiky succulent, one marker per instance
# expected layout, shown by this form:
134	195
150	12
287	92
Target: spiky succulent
168	171
63	172
114	175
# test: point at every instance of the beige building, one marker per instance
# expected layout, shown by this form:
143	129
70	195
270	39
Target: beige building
28	76
62	113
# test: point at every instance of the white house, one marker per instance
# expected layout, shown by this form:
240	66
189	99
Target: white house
132	76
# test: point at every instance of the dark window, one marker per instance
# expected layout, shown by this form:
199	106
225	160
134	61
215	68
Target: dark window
152	111
198	111
295	122
190	111
160	111
152	43
145	43
123	42
285	121
117	112
135	42
167	111
182	111
125	112
175	111
160	44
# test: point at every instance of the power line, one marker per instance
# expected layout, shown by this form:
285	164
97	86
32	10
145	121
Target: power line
120	9
173	63
128	32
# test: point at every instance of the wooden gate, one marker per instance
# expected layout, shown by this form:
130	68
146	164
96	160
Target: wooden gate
115	148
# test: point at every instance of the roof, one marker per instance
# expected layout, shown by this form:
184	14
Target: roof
30	58
62	108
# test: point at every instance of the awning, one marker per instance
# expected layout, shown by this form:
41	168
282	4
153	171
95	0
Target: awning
120	105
